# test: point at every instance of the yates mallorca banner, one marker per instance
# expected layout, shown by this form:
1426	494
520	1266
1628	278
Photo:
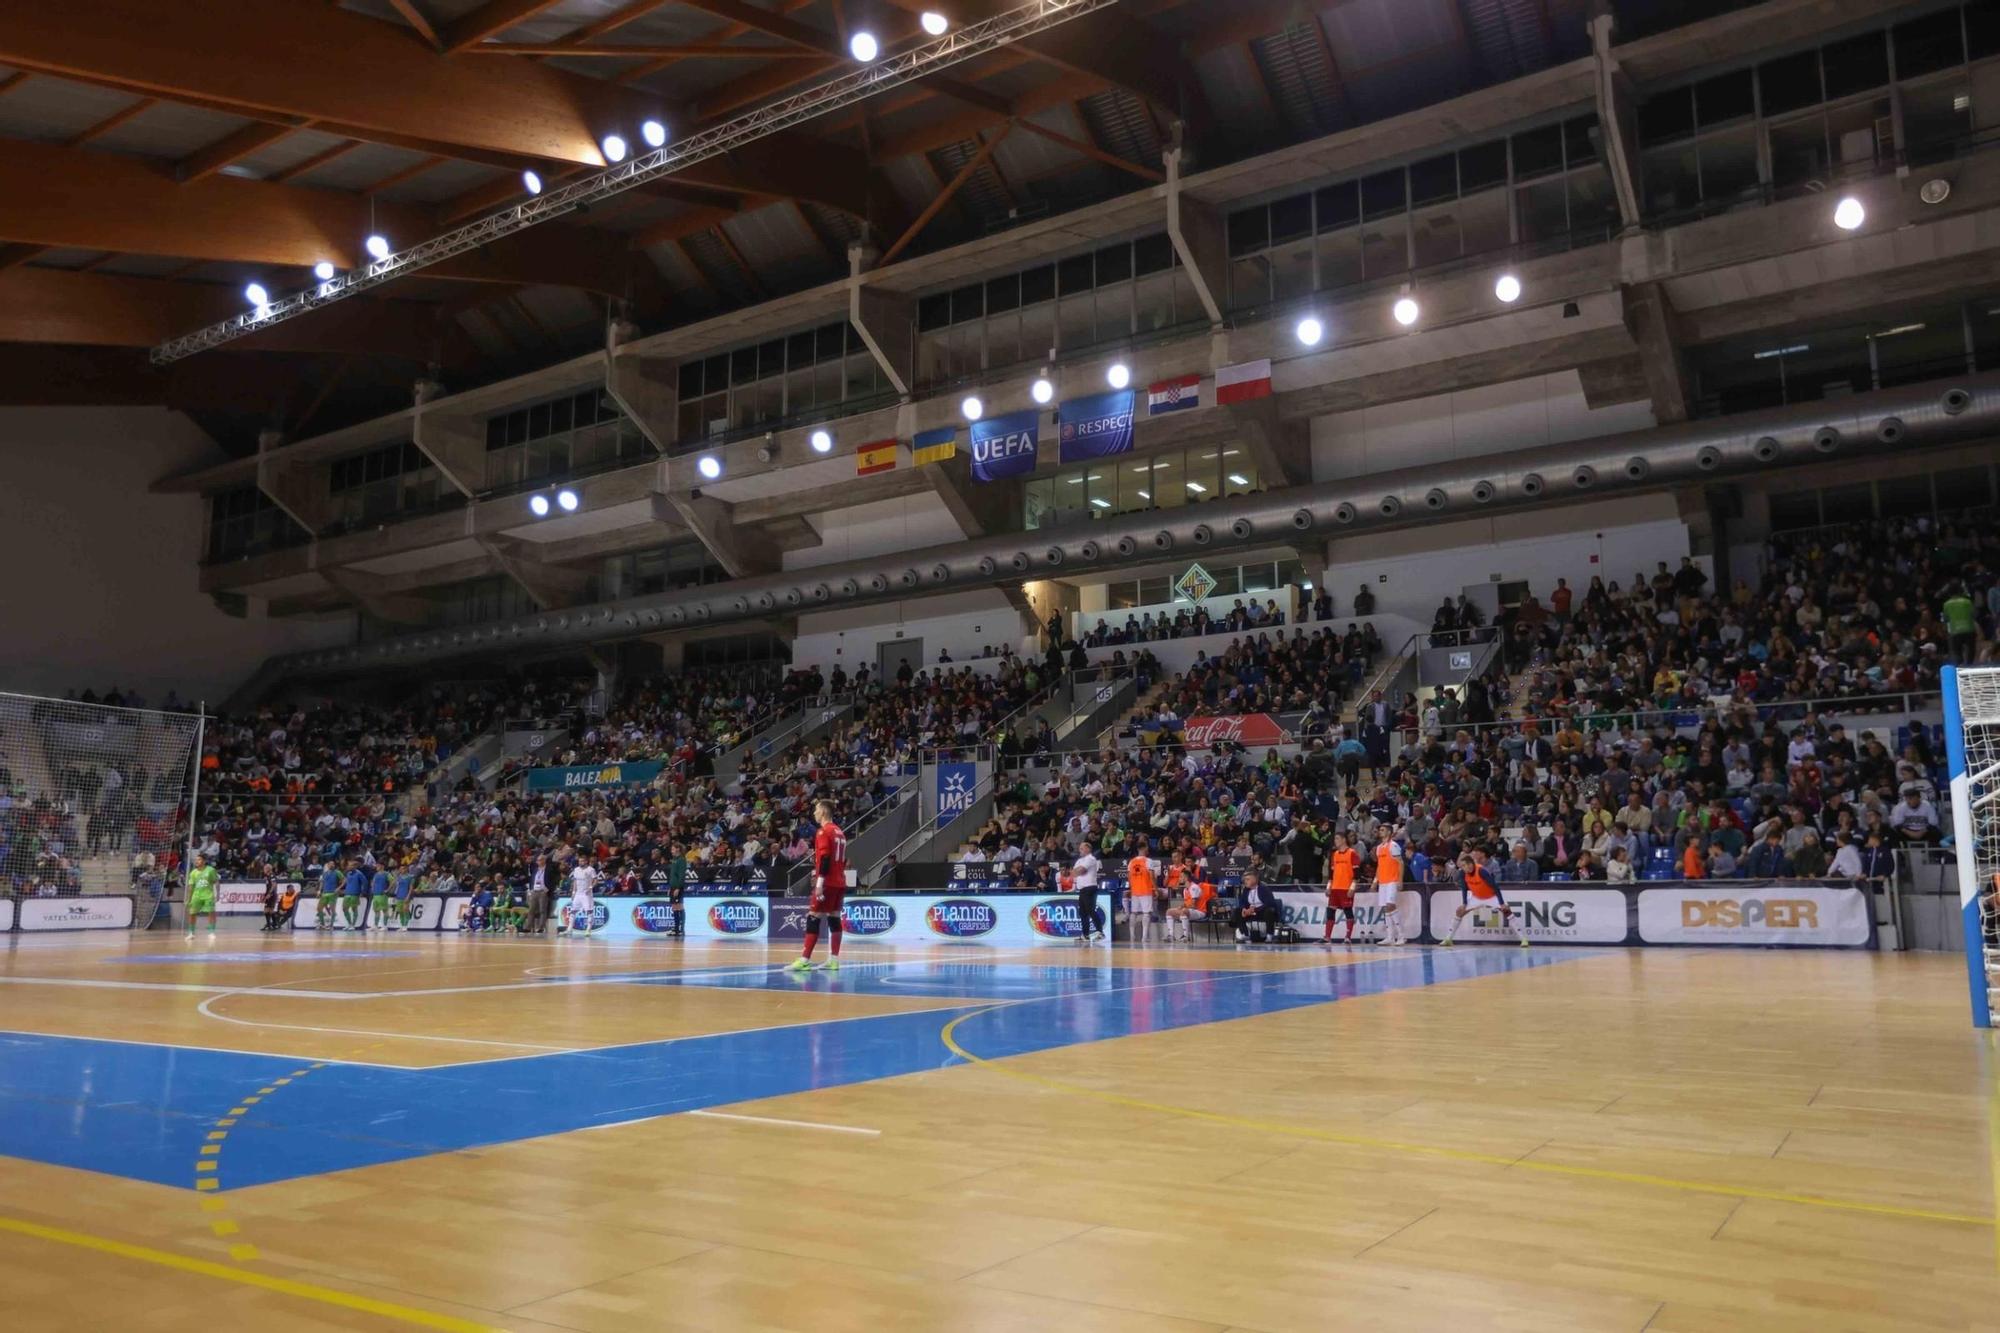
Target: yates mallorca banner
1094	427
1004	447
590	776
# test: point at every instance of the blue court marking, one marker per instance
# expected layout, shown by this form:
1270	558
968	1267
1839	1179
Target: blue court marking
944	980
142	1111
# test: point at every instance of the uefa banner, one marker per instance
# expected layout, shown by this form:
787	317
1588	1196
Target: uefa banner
110	912
589	777
1756	912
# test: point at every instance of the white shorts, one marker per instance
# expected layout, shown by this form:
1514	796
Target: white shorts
582	903
1385	895
1141	904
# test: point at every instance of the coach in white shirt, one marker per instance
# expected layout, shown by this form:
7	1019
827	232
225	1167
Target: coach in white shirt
1084	875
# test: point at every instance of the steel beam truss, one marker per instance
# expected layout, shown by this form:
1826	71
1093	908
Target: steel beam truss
892	71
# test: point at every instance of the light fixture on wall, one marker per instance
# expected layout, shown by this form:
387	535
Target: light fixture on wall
1309	332
1848	214
538	505
863	46
709	466
1405	310
1118	375
566	499
822	441
1041	390
971	407
1507	289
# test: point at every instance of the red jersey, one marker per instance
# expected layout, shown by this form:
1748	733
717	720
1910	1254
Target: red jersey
830	857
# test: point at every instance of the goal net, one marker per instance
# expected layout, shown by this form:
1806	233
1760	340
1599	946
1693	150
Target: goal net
1972	743
95	804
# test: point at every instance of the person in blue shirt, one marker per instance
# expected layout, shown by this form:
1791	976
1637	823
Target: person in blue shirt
1420	867
351	895
378	899
479	909
406	882
329	894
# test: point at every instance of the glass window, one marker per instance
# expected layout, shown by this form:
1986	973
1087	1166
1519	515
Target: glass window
933	312
771	358
1337	205
799	351
1038	284
1794	509
1982	30
743	366
1152	254
1433	179
1249	230
1003	294
1920	349
1580	141
1901	497
1935	117
1662	117
1339	257
1385	247
1074	275
1383	194
1435	233
1847	504
830	343
1482	222
1544	209
1798	153
1928	44
1481	166
1724	98
1965	487
968	303
1114	264
1291	218
1729	165
1855	132
1855	65
1672	178
1789	83
690	387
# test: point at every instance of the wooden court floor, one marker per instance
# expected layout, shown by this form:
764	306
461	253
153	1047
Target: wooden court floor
1137	1140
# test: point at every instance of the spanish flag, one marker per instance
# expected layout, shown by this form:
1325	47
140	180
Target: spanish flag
877	457
934	446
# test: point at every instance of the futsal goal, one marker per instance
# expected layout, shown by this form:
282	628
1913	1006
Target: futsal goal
96	804
1972	746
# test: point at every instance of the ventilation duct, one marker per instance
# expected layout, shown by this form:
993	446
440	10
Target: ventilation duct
1910	417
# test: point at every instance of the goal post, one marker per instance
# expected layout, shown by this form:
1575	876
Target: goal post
1972	755
98	804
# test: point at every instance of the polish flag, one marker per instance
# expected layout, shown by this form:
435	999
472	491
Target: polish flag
1242	384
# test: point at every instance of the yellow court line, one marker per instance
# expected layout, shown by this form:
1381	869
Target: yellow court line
307	1291
1452	1154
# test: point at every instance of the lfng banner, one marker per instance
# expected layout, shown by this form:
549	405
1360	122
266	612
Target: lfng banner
1094	427
1005	446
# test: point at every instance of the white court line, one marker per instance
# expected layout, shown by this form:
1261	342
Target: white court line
207	1012
790	1124
209	1050
179	986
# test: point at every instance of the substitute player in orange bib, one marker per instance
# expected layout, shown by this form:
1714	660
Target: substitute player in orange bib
829	891
1389	886
1141	884
1479	892
1344	865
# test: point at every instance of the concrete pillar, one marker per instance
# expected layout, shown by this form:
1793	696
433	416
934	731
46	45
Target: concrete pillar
646	389
886	321
301	489
1199	242
455	444
1617	122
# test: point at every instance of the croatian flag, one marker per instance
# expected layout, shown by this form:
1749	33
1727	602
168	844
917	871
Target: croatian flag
1177	395
1241	384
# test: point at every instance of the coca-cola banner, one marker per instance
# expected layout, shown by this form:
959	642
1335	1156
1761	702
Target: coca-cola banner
1242	728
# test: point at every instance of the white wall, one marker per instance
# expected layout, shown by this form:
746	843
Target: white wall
965	622
906	523
1410	571
1521	414
98	576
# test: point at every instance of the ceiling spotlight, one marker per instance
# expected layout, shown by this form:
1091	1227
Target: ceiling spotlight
538	505
323	271
1405	311
863	46
1118	375
567	499
972	407
614	147
531	182
1507	288
377	245
934	23
654	133
1310	331
709	466
1041	390
822	442
256	295
1849	214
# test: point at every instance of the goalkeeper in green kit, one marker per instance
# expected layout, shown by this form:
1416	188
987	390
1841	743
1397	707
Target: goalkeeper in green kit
201	895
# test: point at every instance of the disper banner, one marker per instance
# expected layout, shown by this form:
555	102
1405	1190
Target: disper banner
1094	427
113	912
1004	447
588	777
956	784
1756	912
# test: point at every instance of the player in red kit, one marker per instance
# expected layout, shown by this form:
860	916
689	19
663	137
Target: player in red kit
829	889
